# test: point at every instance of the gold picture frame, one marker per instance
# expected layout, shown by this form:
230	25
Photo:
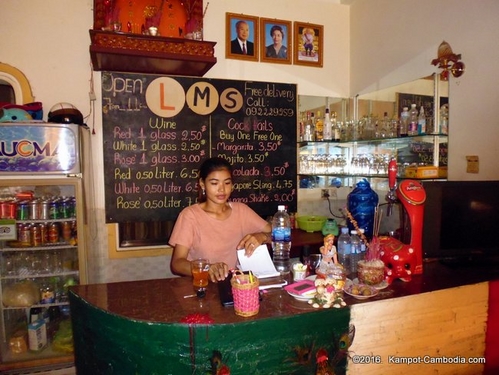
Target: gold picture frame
308	44
250	28
278	50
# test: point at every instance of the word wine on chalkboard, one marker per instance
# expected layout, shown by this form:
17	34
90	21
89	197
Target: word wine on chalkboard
158	130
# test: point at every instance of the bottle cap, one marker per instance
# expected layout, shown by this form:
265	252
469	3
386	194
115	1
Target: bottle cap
344	230
353	232
281	207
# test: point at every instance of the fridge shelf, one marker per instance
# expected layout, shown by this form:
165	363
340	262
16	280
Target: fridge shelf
52	246
39	275
42	305
35	221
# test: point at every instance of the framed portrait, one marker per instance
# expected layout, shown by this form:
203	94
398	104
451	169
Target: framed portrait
241	37
276	41
308	42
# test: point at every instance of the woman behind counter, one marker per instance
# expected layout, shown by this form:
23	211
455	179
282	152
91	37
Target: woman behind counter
215	228
277	49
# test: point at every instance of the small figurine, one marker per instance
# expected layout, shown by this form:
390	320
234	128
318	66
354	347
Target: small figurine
328	251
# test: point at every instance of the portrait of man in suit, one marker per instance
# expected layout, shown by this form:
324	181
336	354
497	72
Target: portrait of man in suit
241	37
241	44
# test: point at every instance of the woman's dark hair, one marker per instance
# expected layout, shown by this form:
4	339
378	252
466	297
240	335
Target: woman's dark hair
276	28
208	166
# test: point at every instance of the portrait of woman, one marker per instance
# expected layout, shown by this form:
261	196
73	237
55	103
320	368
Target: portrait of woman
275	44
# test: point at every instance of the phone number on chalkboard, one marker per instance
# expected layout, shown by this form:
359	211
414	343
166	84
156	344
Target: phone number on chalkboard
265	111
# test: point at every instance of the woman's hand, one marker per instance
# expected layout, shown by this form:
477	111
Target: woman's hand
218	271
251	241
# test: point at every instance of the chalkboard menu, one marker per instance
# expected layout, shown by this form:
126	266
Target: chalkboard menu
158	130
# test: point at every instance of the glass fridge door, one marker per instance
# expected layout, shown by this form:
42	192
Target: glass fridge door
41	256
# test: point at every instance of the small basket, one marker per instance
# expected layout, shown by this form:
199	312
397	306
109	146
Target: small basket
246	294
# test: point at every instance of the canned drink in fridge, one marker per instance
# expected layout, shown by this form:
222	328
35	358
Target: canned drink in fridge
43	233
44	210
24	234
22	210
65	209
34	209
36	235
66	231
53	233
11	209
4	206
53	210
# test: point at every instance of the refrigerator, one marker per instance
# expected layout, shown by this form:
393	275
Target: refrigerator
42	242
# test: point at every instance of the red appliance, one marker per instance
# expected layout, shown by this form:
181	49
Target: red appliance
404	257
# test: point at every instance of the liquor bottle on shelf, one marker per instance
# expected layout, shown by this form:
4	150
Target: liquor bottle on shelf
412	128
336	128
404	122
319	127
327	132
309	132
421	122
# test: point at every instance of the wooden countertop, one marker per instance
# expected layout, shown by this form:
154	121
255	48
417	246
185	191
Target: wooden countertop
162	300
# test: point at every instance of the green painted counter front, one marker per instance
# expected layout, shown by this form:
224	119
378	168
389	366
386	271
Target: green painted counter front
134	328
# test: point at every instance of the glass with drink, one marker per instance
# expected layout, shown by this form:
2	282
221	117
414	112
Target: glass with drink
199	269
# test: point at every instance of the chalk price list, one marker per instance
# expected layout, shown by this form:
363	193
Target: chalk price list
157	168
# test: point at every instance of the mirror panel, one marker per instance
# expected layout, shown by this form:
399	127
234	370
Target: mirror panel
390	100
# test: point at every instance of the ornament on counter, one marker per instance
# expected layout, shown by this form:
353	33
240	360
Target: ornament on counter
330	278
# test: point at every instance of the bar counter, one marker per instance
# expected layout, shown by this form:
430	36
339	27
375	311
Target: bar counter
135	327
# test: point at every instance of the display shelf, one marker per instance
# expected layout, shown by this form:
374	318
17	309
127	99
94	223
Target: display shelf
336	162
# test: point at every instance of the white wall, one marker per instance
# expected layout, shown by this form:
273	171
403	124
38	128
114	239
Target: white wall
369	45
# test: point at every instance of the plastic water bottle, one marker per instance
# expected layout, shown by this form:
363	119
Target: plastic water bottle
281	239
344	252
356	253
